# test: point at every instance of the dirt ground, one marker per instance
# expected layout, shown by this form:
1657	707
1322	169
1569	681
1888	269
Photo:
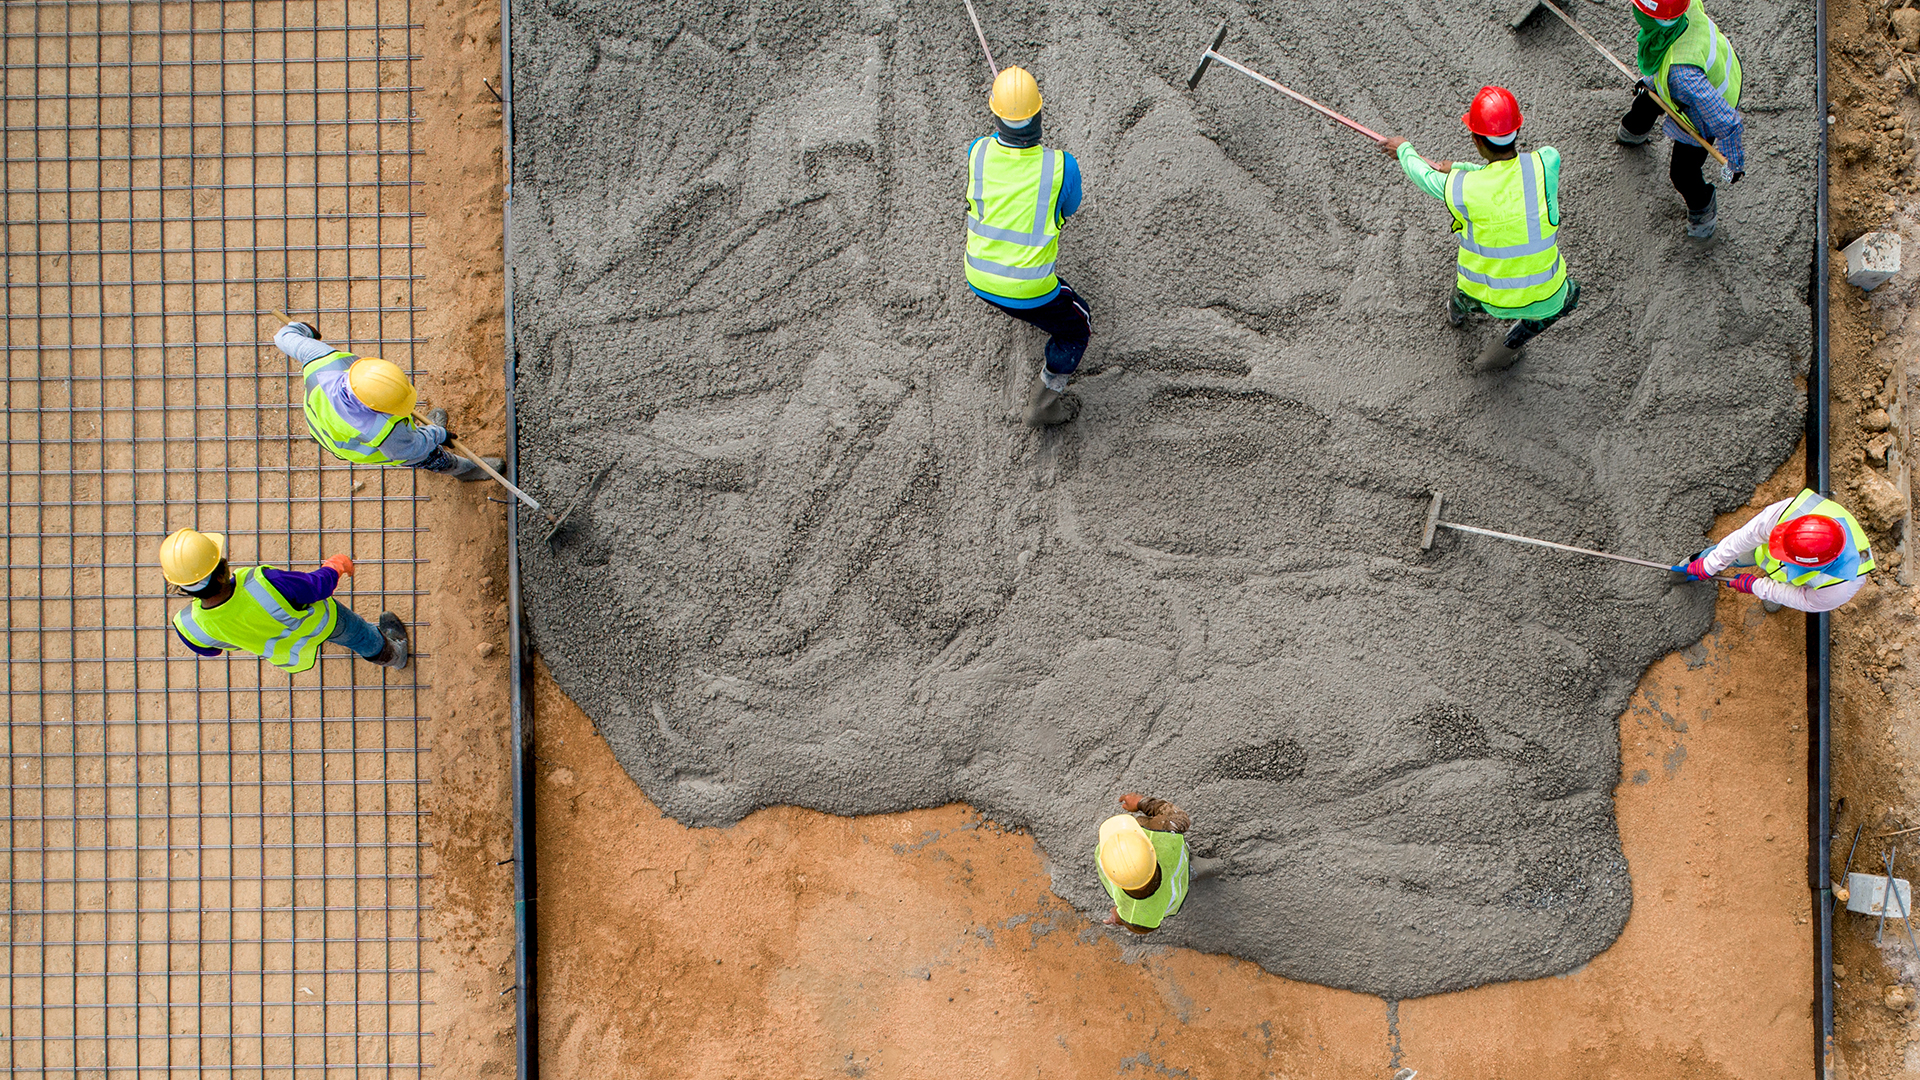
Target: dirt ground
797	944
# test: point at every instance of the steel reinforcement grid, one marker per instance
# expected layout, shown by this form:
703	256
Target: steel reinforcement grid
213	868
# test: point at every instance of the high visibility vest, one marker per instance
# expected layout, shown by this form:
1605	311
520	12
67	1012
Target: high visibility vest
1855	562
1013	221
1170	849
341	436
1702	45
258	619
1509	256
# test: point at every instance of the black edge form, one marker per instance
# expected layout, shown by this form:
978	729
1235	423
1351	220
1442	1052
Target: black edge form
525	1016
1819	626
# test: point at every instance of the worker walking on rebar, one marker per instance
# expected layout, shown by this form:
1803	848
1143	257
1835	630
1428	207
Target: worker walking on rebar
361	409
1506	218
1811	553
1143	863
1019	194
1685	59
282	615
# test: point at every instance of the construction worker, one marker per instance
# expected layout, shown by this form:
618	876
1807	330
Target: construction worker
1506	218
1811	553
361	409
1686	61
282	615
1143	864
1019	194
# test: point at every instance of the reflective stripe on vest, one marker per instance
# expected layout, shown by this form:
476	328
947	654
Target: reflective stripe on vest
1170	850
1856	562
258	619
1013	230
1702	45
341	436
1503	260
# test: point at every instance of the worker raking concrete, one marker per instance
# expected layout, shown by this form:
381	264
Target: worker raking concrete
1685	59
1019	194
360	408
1811	554
1143	862
1506	219
282	615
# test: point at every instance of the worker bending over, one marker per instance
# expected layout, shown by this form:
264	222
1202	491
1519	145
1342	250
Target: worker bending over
1811	553
1019	193
1689	63
282	615
361	409
1143	864
1506	218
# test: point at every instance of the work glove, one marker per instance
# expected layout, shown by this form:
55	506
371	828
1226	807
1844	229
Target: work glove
1740	583
1730	174
341	564
307	329
1130	802
1695	569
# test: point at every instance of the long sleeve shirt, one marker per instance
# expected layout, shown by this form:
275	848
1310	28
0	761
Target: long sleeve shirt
1709	112
1737	550
1434	182
1070	195
409	442
301	588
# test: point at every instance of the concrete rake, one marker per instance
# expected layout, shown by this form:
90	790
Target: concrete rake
1434	524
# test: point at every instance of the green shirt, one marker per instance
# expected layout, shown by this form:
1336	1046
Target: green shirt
1434	182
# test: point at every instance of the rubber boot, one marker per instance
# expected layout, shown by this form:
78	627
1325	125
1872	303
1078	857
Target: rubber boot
469	472
1628	138
1047	407
1700	225
1456	315
394	655
1495	355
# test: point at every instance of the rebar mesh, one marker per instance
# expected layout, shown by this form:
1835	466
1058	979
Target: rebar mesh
212	867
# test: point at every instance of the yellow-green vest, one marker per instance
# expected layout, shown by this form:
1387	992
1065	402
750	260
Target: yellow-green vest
1812	502
1509	254
1013	220
1170	849
335	432
1702	45
259	620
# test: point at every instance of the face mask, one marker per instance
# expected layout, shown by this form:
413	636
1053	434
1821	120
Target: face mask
1668	22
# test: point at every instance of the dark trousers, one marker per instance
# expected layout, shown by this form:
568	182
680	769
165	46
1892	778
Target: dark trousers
441	461
1523	330
1685	168
1066	320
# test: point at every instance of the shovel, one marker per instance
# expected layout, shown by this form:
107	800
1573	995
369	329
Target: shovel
1434	524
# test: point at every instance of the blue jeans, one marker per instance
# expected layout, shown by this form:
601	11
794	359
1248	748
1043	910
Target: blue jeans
440	461
357	634
1067	320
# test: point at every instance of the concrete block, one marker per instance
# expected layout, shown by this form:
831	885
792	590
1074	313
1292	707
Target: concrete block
1872	259
1866	892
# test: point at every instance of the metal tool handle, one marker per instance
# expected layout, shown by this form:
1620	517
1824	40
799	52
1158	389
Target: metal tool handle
1301	98
1685	124
1562	547
981	34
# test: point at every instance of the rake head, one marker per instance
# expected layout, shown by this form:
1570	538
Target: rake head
1207	56
1433	522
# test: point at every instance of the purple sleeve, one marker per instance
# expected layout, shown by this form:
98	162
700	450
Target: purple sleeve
304	589
195	648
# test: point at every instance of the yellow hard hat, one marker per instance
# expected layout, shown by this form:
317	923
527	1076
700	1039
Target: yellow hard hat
1126	855
382	386
187	557
1015	95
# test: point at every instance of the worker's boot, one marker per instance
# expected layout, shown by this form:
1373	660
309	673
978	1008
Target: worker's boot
1628	138
1770	607
1456	312
1496	355
437	416
470	472
1047	406
394	654
1700	224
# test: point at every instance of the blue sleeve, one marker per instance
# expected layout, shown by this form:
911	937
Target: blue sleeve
196	648
304	589
303	347
1069	188
411	444
1711	115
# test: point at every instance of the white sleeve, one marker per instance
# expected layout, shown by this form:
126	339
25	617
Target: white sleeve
292	339
1806	597
1745	538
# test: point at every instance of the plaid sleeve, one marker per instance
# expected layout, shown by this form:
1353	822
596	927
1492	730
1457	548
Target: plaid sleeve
1710	113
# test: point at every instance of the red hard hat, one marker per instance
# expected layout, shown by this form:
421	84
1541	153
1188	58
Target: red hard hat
1663	9
1493	112
1811	540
